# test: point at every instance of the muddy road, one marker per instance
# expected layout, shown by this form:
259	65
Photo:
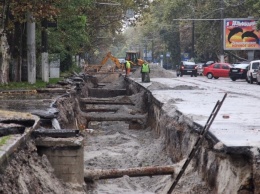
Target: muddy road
240	87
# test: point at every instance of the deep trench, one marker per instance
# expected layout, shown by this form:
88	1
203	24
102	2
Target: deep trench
173	135
124	126
130	115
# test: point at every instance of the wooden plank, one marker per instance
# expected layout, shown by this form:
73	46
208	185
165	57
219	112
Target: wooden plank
105	101
62	133
113	117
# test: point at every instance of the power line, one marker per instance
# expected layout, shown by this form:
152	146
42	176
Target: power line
192	19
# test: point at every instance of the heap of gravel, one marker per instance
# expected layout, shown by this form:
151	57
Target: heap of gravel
156	72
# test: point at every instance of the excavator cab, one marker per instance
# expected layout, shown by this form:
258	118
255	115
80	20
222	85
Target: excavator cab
132	56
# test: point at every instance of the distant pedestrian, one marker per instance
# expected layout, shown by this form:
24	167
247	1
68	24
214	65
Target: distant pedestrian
145	70
128	68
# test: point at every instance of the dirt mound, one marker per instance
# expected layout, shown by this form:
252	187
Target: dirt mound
158	86
156	72
186	87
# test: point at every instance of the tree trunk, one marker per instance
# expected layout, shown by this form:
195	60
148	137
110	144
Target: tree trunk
90	175
4	66
31	58
17	52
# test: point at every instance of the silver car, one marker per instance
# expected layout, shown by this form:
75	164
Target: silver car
252	71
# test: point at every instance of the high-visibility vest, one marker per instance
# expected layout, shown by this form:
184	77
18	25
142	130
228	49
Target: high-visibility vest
145	68
128	66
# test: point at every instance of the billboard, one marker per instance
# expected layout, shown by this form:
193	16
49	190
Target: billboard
241	34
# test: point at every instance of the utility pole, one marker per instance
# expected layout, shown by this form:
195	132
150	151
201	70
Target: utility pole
152	51
146	49
222	60
193	42
45	58
31	56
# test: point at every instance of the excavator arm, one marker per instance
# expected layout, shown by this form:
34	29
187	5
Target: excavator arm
115	60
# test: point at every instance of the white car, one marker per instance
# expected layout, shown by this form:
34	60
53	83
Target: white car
252	71
121	60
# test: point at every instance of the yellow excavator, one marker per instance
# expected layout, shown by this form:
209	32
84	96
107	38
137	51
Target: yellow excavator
101	67
134	58
112	58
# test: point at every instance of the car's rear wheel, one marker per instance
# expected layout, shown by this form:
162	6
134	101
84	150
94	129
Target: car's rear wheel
209	76
233	79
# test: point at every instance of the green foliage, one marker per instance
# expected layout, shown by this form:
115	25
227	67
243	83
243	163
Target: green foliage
71	70
26	85
170	21
4	139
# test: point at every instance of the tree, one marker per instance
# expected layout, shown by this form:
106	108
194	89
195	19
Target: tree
105	22
14	14
81	23
174	20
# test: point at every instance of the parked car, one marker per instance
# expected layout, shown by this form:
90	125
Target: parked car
238	71
187	68
199	68
217	70
252	71
258	76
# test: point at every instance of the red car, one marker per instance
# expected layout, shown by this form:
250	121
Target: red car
217	70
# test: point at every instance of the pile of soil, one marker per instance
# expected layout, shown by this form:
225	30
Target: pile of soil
156	72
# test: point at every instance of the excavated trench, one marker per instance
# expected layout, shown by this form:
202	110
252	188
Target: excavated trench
129	128
125	127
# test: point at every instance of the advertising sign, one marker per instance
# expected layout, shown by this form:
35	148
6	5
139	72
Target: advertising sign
241	34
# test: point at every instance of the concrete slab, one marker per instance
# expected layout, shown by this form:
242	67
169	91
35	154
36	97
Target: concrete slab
241	128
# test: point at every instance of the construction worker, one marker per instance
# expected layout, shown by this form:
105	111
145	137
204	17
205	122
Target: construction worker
145	70
128	68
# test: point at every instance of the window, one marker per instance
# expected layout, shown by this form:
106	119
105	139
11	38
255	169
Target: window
225	67
255	65
216	66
